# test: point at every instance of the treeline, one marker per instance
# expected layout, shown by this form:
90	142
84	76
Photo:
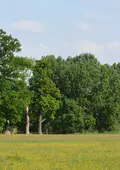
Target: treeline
73	95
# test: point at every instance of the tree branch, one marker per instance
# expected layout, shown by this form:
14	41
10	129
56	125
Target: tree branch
43	120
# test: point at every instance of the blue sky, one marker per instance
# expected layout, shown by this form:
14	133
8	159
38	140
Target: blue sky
64	27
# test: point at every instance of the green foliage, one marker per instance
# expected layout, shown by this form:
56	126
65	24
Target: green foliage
14	93
69	117
46	96
90	123
76	94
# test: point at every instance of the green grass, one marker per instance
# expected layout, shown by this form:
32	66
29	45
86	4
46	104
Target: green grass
60	152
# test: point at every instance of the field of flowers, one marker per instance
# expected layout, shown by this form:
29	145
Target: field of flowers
60	152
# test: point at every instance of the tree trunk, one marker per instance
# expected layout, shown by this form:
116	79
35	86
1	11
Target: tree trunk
40	125
27	121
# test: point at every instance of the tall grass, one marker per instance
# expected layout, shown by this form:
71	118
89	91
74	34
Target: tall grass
60	152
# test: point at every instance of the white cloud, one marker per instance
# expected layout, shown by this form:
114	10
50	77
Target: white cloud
67	45
85	27
108	52
43	47
90	16
89	46
28	25
36	50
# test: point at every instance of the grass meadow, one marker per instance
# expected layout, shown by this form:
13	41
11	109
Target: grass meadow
60	152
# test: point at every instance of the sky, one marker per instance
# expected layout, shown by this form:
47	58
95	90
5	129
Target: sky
64	27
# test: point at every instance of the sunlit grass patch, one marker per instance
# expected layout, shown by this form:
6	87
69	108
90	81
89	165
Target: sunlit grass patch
70	153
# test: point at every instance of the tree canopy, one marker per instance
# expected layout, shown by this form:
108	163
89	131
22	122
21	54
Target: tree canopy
73	95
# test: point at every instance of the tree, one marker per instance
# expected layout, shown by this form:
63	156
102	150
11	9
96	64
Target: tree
70	95
27	120
69	117
46	96
14	71
106	105
78	78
